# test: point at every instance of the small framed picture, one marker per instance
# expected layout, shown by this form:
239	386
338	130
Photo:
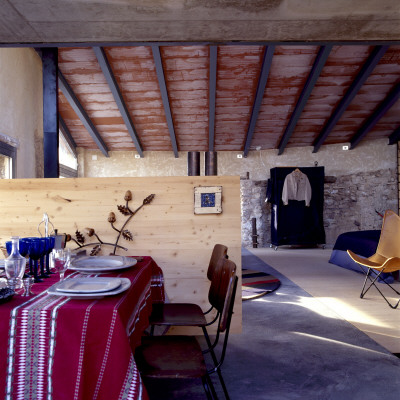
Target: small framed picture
208	200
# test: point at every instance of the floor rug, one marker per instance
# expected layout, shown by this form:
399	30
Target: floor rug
256	284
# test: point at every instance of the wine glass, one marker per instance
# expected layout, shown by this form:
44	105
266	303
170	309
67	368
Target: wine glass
36	249
45	261
60	261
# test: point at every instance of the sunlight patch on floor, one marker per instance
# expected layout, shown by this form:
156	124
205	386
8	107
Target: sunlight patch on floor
337	342
350	313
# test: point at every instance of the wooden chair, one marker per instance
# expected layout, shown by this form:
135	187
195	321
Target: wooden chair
188	314
386	257
178	357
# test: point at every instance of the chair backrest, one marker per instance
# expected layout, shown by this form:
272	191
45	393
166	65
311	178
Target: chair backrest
221	289
219	251
226	280
389	240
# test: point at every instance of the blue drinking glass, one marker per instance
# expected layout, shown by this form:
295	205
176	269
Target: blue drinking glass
36	250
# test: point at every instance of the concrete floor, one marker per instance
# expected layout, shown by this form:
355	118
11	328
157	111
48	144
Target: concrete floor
294	347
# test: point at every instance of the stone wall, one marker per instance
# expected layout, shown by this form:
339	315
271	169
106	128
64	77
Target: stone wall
350	202
357	181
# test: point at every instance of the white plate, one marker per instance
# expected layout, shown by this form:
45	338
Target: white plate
101	263
2	264
125	284
89	285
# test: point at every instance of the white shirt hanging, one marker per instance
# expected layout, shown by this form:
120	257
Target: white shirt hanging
296	187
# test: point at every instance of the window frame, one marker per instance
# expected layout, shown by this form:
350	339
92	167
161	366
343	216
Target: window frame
10	151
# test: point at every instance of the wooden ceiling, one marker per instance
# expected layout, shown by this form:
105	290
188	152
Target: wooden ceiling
272	97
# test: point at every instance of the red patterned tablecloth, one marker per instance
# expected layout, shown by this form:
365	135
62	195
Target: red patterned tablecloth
56	347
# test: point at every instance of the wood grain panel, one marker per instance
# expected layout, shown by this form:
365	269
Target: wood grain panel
339	72
289	70
136	75
166	229
238	69
186	70
375	89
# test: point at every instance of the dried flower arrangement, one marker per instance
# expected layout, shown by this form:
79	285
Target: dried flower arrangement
125	233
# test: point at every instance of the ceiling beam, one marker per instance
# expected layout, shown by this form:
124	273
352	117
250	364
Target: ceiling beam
379	112
81	113
164	95
361	77
211	97
262	83
67	135
123	109
315	72
395	136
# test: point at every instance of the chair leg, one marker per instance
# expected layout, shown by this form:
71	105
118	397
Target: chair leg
208	387
373	283
216	366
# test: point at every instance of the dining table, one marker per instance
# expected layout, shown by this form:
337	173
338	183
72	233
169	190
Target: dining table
63	347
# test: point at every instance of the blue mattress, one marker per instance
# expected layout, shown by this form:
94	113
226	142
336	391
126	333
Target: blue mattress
363	243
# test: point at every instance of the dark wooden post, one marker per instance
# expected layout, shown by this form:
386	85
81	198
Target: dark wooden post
50	112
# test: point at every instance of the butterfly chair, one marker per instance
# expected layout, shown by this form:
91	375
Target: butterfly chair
188	314
386	258
174	357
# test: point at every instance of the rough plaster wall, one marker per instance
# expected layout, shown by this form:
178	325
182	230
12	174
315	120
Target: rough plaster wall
364	179
21	108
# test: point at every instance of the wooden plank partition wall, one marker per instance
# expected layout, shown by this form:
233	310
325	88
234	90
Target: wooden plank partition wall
167	229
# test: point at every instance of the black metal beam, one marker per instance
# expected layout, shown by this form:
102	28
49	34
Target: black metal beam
395	136
165	99
361	77
379	112
315	72
67	135
81	113
211	97
262	82
50	112
123	109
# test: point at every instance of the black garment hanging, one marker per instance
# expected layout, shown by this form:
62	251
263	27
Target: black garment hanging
295	223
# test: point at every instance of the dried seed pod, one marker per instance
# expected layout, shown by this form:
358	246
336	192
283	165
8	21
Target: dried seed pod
127	235
79	237
111	217
128	195
124	210
96	250
90	232
148	199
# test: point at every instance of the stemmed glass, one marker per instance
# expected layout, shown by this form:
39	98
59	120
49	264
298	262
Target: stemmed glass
60	261
36	250
50	241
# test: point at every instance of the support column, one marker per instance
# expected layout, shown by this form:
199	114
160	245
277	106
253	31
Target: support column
50	112
210	163
193	163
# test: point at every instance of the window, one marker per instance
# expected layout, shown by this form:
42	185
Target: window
8	160
67	159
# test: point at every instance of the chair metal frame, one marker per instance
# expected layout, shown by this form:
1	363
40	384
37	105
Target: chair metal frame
386	258
219	251
226	283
